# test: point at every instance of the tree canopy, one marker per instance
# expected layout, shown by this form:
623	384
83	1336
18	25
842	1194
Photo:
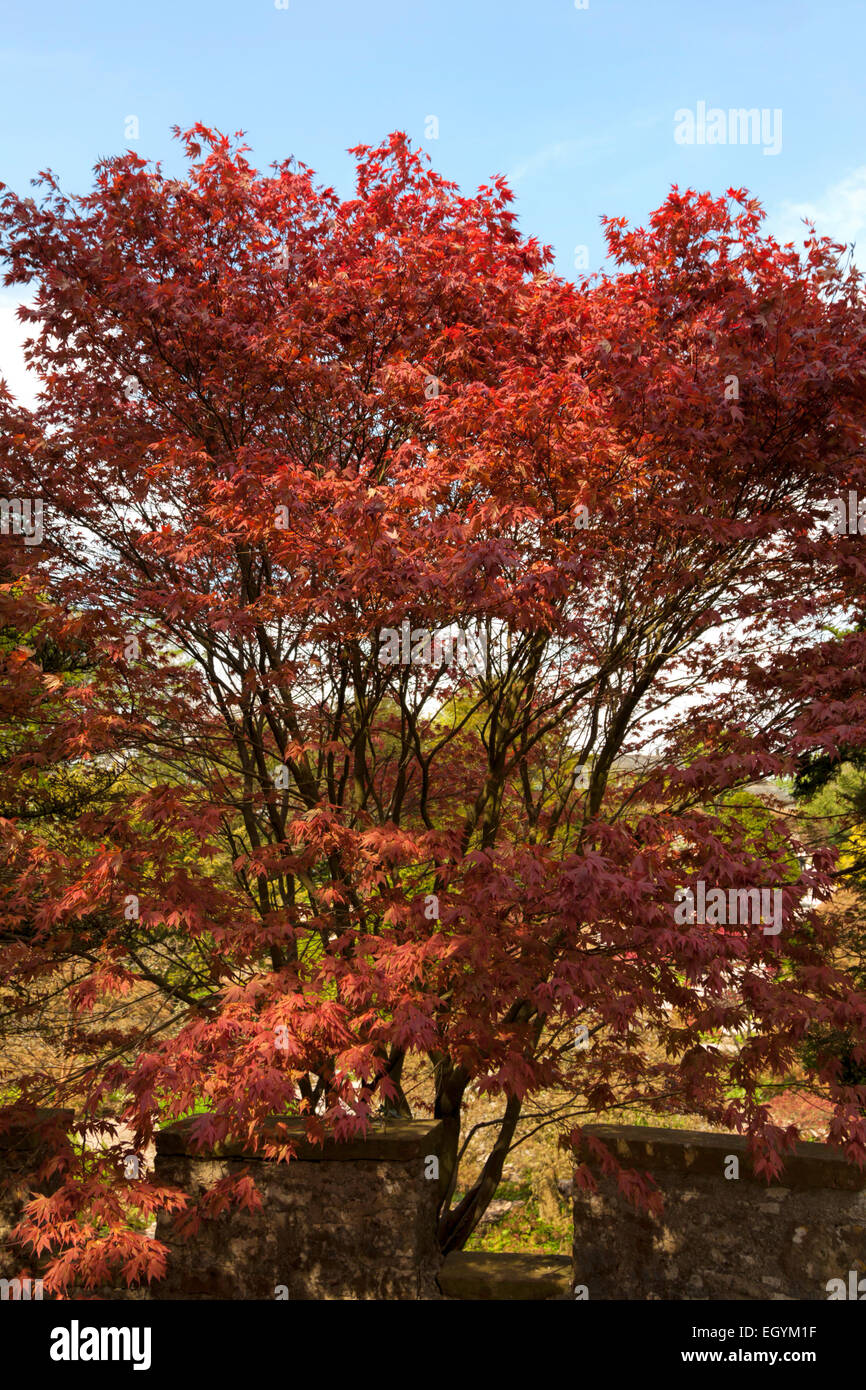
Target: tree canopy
283	442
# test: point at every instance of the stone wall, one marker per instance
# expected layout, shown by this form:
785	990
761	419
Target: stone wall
350	1220
22	1150
719	1237
358	1221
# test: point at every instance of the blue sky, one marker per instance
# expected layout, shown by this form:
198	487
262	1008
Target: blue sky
577	106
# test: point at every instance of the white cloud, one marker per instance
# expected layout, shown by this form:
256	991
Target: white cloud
839	212
22	383
568	154
561	154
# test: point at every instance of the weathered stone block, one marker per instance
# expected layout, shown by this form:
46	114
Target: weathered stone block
719	1237
23	1148
352	1220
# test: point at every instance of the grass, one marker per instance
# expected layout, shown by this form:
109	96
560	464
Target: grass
523	1228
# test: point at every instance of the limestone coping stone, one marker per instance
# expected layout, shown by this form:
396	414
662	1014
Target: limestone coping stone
693	1151
27	1135
396	1141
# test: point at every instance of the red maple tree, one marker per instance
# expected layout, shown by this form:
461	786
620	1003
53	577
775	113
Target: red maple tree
283	442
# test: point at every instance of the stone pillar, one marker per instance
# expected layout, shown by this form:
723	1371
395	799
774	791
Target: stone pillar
353	1220
721	1236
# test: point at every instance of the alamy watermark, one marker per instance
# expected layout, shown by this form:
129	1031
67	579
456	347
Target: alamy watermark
21	1289
849	516
855	1291
132	1166
736	907
404	645
737	126
77	1343
22	517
